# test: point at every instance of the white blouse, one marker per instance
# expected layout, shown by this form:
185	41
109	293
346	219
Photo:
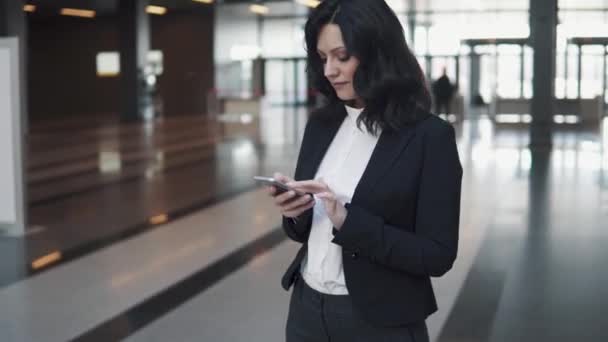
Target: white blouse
341	169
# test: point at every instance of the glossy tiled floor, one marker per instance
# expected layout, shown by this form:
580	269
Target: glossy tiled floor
94	183
162	237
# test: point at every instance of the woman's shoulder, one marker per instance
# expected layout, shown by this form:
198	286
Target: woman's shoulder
431	124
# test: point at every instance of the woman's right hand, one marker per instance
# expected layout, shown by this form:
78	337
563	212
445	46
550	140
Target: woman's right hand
288	202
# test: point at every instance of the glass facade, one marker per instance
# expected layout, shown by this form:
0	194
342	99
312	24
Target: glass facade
440	28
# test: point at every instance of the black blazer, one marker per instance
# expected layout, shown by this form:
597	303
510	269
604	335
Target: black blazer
402	222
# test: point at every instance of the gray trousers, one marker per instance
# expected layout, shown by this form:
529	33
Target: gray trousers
318	317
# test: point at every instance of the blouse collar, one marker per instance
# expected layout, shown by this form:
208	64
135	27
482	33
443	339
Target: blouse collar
353	112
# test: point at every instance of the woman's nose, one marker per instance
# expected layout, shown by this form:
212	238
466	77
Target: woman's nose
330	70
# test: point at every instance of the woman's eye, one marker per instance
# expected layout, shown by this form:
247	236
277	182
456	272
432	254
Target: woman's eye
344	58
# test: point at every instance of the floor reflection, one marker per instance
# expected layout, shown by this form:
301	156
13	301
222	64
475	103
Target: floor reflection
537	276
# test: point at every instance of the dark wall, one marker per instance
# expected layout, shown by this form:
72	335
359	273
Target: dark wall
186	40
62	66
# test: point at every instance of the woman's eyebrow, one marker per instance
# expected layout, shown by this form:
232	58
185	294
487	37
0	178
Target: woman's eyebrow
332	50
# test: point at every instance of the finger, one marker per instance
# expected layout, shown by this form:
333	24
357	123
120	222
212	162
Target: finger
271	190
296	202
309	182
283	198
309	186
282	178
302	200
328	196
298	211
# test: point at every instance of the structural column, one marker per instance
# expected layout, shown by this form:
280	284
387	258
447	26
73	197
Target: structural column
13	124
12	20
411	22
474	74
522	70
13	24
134	46
604	77
579	70
543	23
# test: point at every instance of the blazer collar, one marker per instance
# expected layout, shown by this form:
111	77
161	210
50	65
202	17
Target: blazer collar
385	154
387	151
330	121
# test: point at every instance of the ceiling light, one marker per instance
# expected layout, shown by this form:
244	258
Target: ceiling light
259	9
29	8
309	3
204	1
158	10
78	12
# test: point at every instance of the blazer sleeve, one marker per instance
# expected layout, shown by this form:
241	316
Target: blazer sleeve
298	229
431	247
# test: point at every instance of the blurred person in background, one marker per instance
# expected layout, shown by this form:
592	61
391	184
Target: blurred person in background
443	90
382	177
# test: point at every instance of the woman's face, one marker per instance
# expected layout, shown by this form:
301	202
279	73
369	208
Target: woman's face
338	65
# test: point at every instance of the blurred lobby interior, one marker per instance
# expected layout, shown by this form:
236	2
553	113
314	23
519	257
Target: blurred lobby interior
131	130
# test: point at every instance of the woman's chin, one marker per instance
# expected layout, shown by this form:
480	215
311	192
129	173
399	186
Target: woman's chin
345	97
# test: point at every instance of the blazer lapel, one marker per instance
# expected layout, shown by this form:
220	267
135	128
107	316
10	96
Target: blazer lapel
326	133
385	154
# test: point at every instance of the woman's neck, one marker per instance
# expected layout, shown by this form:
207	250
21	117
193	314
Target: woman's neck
355	103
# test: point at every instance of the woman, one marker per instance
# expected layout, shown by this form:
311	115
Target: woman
383	178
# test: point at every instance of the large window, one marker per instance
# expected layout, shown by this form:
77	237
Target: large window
108	63
241	36
580	71
440	28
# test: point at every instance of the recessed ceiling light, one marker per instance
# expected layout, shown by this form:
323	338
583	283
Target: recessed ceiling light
309	3
158	10
77	12
259	9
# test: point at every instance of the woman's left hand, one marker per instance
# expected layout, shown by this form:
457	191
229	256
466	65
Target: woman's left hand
334	208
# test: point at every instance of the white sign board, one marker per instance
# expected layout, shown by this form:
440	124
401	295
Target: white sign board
11	184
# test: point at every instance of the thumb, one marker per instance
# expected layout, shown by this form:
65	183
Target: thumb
281	178
327	196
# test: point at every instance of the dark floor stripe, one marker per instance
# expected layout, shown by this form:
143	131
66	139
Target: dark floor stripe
139	316
25	271
473	313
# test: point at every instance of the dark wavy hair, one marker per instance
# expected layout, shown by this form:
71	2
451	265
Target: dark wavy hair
389	79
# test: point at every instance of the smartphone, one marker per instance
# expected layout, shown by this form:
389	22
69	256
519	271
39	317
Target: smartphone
281	187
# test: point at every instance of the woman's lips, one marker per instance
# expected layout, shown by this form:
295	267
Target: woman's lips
339	84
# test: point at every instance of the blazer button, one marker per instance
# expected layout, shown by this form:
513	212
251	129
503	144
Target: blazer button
354	255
